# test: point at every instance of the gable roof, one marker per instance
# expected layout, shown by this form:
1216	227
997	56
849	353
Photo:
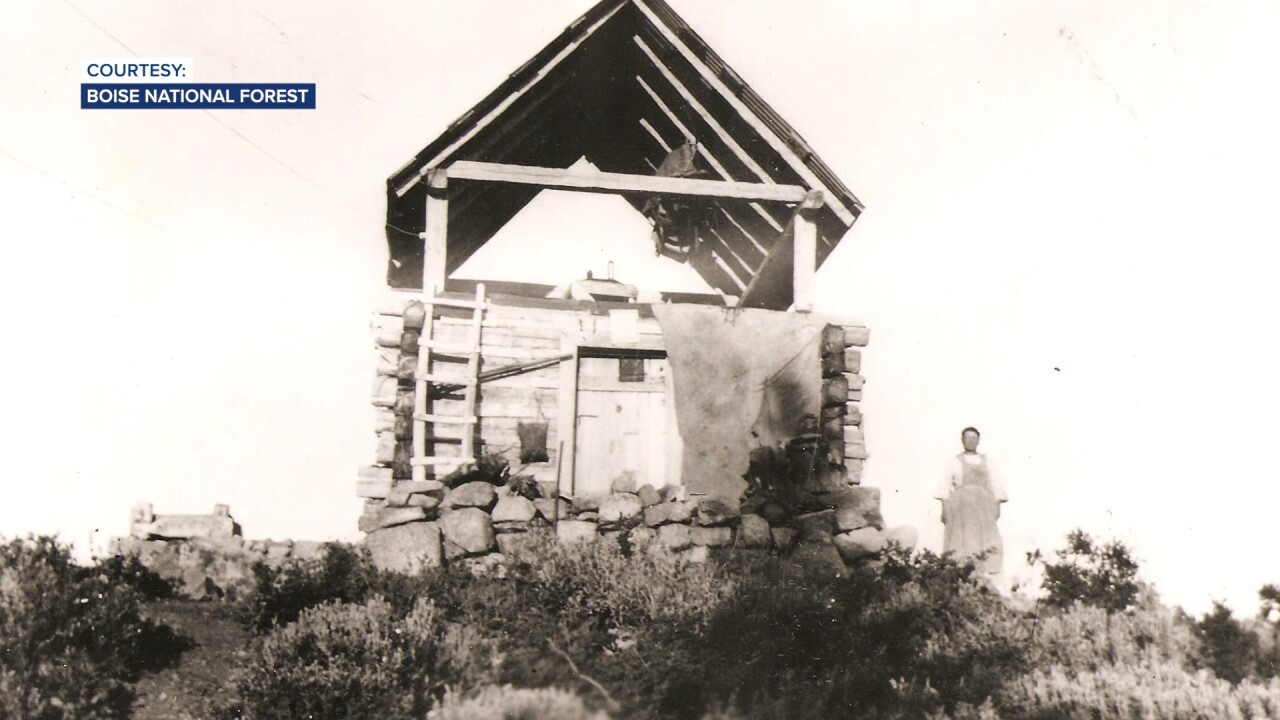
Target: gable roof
621	86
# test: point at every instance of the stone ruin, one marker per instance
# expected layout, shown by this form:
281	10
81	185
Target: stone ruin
205	556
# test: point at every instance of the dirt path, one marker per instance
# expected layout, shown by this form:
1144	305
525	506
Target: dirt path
200	681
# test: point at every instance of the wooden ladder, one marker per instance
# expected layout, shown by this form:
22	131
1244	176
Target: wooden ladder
425	378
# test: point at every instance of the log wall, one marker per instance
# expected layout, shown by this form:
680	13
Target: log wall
524	331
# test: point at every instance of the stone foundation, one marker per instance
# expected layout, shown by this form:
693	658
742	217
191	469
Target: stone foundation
476	520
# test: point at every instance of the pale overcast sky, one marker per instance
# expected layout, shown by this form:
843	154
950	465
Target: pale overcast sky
1067	243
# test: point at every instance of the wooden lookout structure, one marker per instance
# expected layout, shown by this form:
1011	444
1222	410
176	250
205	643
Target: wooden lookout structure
582	384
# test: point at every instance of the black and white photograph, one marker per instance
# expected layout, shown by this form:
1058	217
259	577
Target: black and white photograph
631	359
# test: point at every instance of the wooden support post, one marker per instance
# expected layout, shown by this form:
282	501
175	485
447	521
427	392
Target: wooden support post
805	245
436	234
567	407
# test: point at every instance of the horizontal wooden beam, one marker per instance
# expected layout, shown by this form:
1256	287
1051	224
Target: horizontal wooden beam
606	182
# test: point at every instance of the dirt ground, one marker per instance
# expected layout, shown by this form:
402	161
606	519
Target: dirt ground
202	677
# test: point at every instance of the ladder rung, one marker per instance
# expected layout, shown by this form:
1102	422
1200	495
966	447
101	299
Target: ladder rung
442	439
446	348
450	302
445	419
441	380
439	460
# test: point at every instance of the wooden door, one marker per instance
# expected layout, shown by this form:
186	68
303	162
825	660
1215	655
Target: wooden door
625	424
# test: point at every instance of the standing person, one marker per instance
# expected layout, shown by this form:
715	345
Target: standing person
971	495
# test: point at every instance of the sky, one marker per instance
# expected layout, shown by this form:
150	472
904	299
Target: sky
1067	243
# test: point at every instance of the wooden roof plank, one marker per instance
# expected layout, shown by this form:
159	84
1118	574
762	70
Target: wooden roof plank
713	79
502	106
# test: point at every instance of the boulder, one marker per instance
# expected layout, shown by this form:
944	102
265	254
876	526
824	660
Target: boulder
516	544
905	536
513	508
547	508
816	527
753	532
586	503
620	507
859	544
711	536
475	494
674	493
589	516
783	538
712	512
390	517
403	490
648	495
675	537
642	537
426	502
859	501
467	531
374	488
624	483
571	531
407	548
668	512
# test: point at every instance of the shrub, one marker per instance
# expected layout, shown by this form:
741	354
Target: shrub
1228	648
357	661
71	638
567	613
129	571
1086	638
516	704
920	635
1102	575
1150	692
342	573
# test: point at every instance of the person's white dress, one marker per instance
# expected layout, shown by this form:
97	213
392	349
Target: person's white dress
971	494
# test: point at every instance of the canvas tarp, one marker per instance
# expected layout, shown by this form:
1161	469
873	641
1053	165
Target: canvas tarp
742	378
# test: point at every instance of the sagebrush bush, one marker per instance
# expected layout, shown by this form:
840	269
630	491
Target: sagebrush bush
366	660
1138	692
509	703
342	573
919	635
1086	638
72	639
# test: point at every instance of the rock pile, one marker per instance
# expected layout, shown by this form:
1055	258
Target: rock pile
206	556
476	521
